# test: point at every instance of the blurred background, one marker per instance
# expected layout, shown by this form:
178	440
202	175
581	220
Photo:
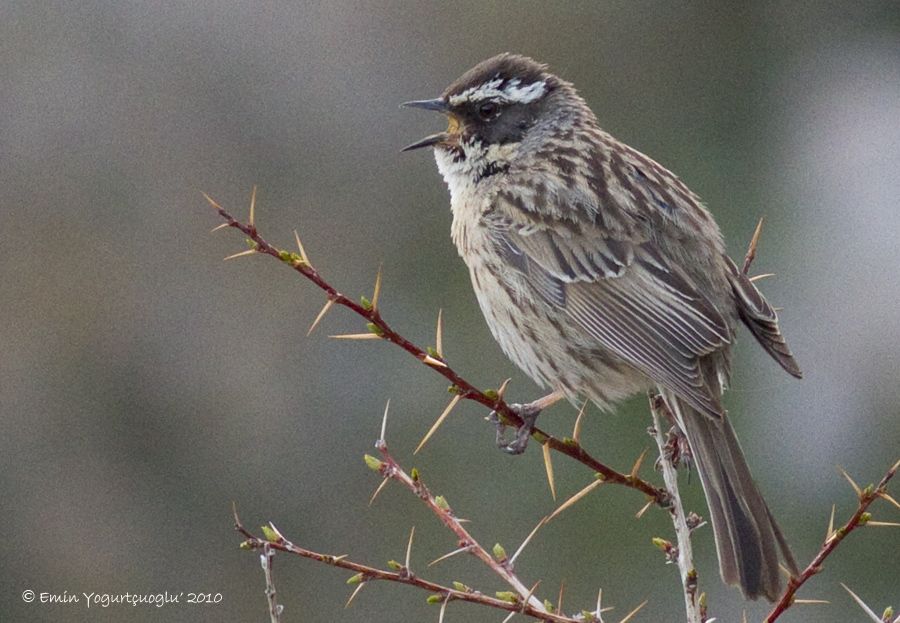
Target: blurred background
145	385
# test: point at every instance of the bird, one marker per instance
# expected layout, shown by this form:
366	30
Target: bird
601	275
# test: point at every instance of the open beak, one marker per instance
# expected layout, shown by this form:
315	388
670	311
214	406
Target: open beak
450	137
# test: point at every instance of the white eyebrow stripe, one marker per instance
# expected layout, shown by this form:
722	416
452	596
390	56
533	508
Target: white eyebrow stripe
512	92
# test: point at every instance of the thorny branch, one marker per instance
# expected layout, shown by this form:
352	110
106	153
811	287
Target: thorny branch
522	601
834	538
682	553
519	601
379	327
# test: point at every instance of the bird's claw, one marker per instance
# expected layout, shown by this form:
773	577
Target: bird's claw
677	451
528	413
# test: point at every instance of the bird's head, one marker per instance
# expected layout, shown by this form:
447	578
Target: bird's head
498	111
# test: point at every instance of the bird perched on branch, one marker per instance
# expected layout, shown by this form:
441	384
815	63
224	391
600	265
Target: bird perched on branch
601	274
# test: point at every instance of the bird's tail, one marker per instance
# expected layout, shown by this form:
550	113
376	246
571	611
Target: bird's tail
748	540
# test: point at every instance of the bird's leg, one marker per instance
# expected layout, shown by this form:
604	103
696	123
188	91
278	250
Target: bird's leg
529	413
677	450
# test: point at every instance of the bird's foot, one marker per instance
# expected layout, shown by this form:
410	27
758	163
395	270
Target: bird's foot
528	413
677	450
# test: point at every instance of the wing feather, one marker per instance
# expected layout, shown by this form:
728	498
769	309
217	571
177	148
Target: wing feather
626	295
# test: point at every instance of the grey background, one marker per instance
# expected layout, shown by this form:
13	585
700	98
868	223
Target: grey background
144	384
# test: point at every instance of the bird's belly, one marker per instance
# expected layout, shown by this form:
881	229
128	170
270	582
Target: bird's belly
544	341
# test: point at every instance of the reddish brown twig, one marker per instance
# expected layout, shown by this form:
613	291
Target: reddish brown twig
522	601
378	326
859	518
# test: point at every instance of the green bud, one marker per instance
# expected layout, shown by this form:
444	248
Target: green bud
434	599
271	535
284	256
245	545
396	566
491	394
366	303
864	518
355	579
431	351
414	474
462	588
499	552
599	476
250	243
661	544
509	596
454	389
373	463
374	328
441	503
888	614
548	606
588	617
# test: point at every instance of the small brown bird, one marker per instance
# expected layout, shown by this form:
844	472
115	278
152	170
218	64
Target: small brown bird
602	275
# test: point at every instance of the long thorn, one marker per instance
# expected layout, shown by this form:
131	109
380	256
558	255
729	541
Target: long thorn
379	490
356	336
644	509
830	532
252	207
862	604
527	540
530	595
572	500
885	496
756	278
384	420
328	305
241	254
559	601
220	226
300	248
631	614
467	548
850	480
211	201
377	290
431	361
443	608
439	335
502	389
438	422
548	467
354	594
637	464
576	431
409	546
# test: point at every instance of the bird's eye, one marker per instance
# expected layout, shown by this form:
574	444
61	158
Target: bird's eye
487	110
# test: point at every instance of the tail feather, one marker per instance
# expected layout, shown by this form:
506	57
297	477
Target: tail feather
748	540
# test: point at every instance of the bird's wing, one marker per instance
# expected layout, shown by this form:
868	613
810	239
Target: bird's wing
626	295
761	319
